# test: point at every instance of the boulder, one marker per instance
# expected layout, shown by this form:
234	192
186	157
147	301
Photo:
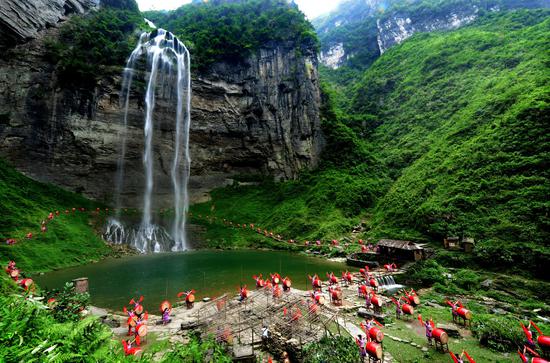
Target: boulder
451	330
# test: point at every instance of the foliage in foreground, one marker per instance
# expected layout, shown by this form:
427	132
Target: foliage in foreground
332	349
33	333
24	203
30	333
68	304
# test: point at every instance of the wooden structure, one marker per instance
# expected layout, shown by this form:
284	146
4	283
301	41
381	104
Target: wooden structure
468	245
241	323
451	243
80	285
400	250
465	244
360	259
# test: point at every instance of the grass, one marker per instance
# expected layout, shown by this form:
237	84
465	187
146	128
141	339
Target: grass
461	125
69	240
446	135
412	331
285	208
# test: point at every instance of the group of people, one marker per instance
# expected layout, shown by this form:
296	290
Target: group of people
273	284
137	328
43	224
278	237
534	339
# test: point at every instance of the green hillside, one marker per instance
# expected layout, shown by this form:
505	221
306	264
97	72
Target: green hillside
24	203
458	121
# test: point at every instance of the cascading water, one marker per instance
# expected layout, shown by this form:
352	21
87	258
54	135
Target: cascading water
163	52
387	283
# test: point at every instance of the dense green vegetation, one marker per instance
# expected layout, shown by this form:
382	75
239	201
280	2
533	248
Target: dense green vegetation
322	204
89	45
31	332
354	25
445	135
70	239
332	349
120	4
230	30
461	126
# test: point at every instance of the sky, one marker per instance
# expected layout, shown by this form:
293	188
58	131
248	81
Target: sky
312	8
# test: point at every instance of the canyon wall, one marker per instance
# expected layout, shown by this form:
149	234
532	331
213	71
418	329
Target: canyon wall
260	116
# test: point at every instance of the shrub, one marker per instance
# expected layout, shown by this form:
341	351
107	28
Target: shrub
68	304
466	279
332	349
198	350
30	332
497	332
448	289
428	272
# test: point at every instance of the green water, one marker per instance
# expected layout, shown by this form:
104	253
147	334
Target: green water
158	277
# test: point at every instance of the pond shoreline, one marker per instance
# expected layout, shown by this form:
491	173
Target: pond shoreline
114	281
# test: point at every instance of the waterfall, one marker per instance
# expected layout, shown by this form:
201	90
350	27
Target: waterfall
163	52
387	283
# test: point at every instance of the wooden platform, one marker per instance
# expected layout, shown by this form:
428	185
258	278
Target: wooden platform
243	353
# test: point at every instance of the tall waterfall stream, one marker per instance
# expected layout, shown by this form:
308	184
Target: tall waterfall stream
167	60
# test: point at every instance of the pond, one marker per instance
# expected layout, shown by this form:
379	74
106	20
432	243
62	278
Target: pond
112	282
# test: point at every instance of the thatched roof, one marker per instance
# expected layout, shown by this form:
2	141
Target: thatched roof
402	245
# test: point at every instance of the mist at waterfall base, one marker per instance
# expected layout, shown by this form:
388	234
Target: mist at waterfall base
167	75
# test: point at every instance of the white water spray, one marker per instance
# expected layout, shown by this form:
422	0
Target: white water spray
164	52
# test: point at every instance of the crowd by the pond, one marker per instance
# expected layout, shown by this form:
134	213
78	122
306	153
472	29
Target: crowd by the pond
533	349
331	292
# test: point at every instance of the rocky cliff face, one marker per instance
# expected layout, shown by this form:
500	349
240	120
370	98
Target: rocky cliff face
21	21
347	33
399	25
260	116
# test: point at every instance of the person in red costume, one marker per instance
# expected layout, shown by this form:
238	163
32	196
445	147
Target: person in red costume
460	358
128	348
536	357
529	340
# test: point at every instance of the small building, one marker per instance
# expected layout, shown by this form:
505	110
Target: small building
465	244
400	250
452	243
468	244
